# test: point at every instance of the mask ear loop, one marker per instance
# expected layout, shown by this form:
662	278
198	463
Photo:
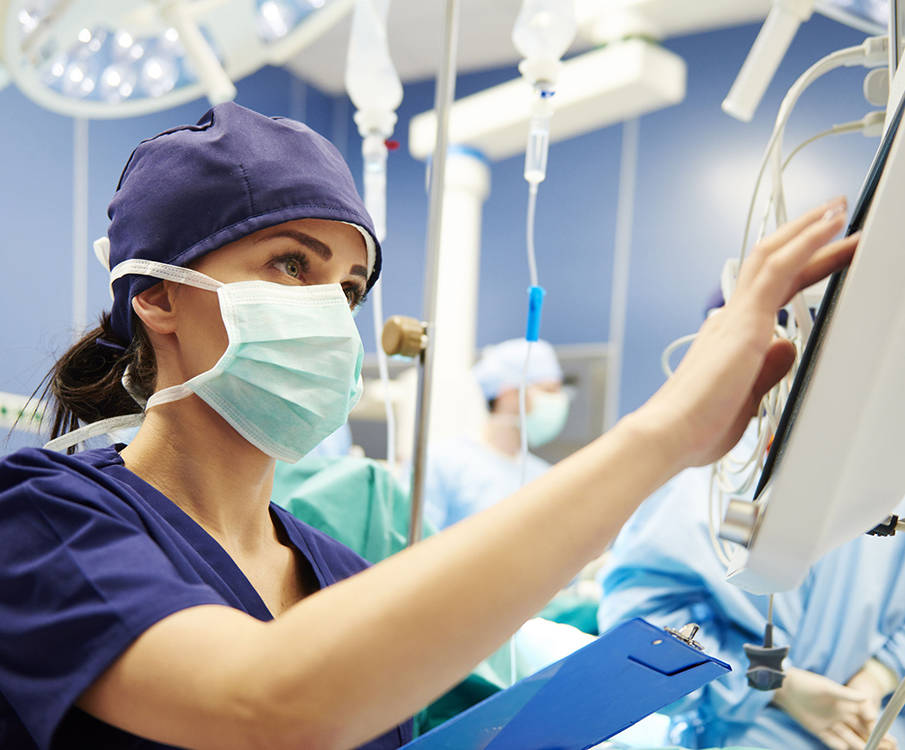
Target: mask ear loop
95	429
104	426
144	268
164	271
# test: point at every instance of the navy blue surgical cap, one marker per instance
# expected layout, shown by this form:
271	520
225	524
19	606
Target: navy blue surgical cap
193	189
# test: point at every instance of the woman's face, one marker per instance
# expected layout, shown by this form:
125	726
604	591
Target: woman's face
296	253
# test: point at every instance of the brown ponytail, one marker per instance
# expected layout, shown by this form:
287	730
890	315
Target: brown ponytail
85	384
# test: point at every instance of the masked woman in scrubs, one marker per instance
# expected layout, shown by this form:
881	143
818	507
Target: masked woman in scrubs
151	595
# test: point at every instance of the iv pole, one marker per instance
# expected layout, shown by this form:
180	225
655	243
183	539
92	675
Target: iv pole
446	80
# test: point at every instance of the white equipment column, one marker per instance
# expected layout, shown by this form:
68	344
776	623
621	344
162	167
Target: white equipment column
467	186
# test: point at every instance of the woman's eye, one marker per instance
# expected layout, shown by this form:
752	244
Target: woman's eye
291	265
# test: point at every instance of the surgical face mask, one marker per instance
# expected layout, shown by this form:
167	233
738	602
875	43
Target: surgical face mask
291	372
547	417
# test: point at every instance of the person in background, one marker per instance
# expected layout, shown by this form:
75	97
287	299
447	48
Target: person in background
845	626
470	473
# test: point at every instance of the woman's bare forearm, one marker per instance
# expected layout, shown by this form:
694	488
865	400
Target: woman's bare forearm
392	638
358	657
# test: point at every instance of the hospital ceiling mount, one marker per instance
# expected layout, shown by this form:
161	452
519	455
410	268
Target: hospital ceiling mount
120	58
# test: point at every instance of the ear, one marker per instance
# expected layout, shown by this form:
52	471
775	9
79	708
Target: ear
154	307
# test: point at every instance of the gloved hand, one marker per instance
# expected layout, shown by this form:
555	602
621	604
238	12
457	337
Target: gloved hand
876	681
839	716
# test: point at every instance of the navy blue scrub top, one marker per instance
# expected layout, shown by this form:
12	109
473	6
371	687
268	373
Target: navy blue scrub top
90	557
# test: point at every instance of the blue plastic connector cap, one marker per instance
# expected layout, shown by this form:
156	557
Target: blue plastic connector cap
535	308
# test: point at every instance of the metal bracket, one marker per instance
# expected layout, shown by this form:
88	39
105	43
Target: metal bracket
686	634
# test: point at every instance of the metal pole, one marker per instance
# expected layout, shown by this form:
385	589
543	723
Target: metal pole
79	226
446	85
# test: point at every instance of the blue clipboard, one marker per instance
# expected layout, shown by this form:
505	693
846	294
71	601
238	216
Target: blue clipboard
582	700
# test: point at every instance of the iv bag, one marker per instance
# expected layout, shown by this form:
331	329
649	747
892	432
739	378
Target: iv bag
544	29
371	79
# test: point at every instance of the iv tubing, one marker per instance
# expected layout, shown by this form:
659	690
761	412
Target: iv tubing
529	232
374	154
446	80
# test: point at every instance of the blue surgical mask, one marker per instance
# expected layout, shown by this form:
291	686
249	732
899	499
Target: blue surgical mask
547	417
291	371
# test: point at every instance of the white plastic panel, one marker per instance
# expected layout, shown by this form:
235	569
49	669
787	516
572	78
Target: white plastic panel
843	470
596	89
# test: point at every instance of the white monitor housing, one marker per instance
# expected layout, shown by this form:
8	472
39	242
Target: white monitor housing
839	463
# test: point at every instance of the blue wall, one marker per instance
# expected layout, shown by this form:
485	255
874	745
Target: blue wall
36	212
695	174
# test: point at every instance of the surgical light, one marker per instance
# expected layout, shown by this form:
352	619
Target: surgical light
92	59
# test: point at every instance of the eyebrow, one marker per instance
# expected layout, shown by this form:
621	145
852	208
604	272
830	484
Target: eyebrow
359	271
312	243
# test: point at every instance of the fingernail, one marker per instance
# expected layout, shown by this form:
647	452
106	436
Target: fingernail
834	210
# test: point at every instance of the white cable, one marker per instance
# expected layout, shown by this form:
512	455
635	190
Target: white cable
841	58
871	52
862	125
731	476
713	504
668	352
892	710
848	127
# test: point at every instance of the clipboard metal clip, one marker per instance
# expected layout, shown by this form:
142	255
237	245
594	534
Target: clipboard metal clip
686	634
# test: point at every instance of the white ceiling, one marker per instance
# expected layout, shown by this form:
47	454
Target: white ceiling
415	30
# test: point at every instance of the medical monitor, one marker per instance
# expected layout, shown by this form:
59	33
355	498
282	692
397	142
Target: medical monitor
836	467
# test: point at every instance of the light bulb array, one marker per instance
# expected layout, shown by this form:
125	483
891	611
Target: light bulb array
109	65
